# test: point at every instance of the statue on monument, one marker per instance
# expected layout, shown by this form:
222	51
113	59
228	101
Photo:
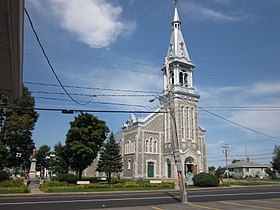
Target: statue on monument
32	171
34	153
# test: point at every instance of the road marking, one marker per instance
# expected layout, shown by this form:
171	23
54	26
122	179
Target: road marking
264	201
157	208
84	194
246	205
88	200
232	194
204	207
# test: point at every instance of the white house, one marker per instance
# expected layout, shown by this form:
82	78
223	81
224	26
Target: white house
244	169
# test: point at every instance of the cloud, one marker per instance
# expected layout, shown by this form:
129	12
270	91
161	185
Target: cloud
262	98
201	13
96	22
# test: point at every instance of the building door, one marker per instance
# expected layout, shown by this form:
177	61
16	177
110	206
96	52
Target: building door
168	168
188	165
150	169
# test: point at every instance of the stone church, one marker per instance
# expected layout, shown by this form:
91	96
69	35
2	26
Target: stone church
147	143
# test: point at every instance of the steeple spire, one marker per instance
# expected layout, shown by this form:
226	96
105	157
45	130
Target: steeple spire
177	48
180	66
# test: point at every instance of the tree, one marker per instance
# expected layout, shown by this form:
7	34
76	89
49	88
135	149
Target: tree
62	164
235	161
219	172
276	159
211	169
41	156
84	140
110	158
3	155
16	134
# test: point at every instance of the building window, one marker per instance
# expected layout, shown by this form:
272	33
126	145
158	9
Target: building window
186	79
192	123
168	164
155	146
172	78
183	122
129	164
181	78
147	146
151	145
188	122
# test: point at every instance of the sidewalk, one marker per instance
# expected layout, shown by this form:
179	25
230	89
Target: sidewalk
35	190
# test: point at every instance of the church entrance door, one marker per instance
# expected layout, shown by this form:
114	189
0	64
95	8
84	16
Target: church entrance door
150	169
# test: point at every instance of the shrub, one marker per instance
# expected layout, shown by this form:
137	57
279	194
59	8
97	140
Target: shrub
205	180
4	175
11	183
69	178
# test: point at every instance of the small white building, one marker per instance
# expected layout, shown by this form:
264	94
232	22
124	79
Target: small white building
244	169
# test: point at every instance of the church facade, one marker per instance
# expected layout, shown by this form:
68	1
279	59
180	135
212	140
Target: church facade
147	144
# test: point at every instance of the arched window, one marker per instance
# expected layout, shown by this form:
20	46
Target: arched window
188	122
129	164
186	79
181	78
192	123
155	146
147	146
168	167
151	145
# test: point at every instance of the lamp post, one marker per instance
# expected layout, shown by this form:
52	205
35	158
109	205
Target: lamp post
176	152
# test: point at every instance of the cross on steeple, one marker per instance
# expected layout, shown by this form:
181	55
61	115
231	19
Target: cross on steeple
176	2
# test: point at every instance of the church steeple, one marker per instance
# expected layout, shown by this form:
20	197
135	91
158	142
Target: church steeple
177	47
180	63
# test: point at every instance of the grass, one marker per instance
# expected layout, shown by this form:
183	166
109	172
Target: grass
73	189
13	190
13	186
55	186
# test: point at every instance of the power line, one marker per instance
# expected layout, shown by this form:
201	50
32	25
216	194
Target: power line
237	124
94	95
93	88
84	110
49	63
95	102
110	67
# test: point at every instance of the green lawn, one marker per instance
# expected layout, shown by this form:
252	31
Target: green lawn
11	190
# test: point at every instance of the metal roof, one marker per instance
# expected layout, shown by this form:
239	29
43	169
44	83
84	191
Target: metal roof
245	164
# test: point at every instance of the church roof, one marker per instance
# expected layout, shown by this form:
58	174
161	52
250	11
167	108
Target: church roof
177	49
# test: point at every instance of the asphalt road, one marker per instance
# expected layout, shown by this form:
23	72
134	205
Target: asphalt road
131	199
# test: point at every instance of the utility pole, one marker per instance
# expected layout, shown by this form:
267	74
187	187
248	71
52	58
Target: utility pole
176	151
225	146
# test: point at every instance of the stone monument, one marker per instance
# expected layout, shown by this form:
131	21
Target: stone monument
32	171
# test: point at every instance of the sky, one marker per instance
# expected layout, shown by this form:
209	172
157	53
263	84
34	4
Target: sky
114	50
